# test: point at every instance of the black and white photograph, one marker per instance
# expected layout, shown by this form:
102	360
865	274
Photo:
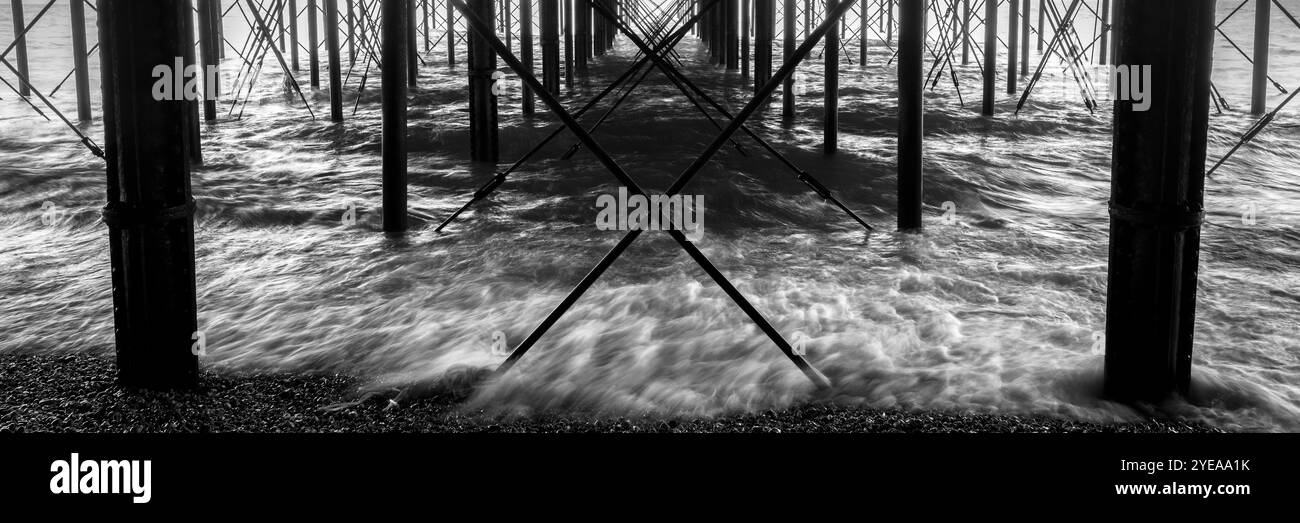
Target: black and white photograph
913	239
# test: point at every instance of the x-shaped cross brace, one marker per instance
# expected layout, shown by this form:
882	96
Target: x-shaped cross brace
485	31
682	83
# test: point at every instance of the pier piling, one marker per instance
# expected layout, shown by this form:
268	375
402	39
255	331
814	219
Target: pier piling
335	65
1013	43
787	51
1259	73
831	84
313	42
482	101
82	70
911	111
1024	37
150	210
293	37
990	55
393	92
20	47
526	48
451	35
550	13
208	52
1156	206
412	45
764	29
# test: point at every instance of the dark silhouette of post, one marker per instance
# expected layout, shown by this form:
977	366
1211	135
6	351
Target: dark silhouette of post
831	85
1104	43
82	69
451	35
335	63
889	27
597	34
482	101
744	38
221	28
208	12
412	45
1024	38
550	13
424	22
863	24
732	37
352	33
568	42
526	48
1013	44
965	32
279	23
582	35
395	47
1116	9
787	50
150	210
1259	77
293	35
20	48
911	111
764	31
1156	202
191	59
1042	23
990	55
313	43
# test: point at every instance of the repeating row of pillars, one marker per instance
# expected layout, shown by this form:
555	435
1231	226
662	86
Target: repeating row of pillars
1156	202
726	31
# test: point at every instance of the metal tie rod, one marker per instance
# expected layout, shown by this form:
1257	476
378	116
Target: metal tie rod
802	52
500	178
672	73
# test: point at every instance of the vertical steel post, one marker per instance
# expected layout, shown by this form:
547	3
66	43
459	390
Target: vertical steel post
393	90
965	33
293	35
831	84
1105	31
451	34
764	20
1259	74
787	50
335	62
1013	43
482	102
313	42
526	48
150	211
550	12
1157	199
1024	37
20	47
78	14
990	55
911	111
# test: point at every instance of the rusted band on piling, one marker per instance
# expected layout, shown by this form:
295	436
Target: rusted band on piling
1174	218
119	215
